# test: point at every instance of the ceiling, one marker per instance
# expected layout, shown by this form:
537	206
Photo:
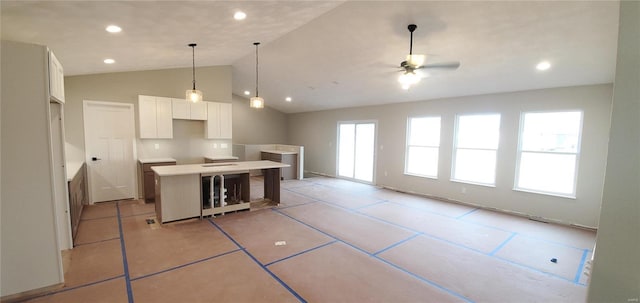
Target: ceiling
334	54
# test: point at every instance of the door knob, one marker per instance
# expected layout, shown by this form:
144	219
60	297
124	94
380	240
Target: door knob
95	159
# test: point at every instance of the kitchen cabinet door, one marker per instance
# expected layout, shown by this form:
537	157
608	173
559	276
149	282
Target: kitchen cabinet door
154	117
147	117
225	121
56	78
164	118
198	111
181	109
219	121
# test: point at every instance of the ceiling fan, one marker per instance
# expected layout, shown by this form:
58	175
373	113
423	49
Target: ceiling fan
410	68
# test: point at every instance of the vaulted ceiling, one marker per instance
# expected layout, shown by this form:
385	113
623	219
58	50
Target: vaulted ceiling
334	54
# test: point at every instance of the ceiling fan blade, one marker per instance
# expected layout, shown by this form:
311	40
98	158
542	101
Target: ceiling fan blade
444	65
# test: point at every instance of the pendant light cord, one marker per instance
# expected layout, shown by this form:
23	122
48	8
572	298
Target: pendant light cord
256	44
193	61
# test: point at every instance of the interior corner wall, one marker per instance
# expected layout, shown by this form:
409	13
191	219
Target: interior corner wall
213	81
317	132
28	238
616	266
257	126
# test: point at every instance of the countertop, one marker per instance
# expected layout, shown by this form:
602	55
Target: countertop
215	158
72	169
215	168
281	152
155	160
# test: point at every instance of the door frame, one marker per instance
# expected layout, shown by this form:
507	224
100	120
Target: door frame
130	108
375	149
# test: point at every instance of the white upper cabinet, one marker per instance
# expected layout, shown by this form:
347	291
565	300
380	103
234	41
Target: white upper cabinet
198	110
219	122
56	78
164	118
155	117
183	109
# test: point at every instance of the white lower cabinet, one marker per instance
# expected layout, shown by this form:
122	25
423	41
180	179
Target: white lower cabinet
219	122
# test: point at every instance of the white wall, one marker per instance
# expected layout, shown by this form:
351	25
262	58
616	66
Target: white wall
317	132
30	253
616	268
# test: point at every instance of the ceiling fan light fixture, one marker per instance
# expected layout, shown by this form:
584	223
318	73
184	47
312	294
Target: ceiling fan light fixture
416	60
408	79
193	94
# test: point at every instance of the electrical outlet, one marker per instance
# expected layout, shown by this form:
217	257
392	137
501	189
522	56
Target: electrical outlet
156	146
464	190
224	145
385	173
215	145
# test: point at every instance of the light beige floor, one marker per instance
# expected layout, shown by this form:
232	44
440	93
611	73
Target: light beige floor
330	240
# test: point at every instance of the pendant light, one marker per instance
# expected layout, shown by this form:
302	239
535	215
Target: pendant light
193	95
257	101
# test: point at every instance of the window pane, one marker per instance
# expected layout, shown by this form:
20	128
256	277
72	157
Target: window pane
547	172
365	136
478	131
422	161
551	132
346	150
477	166
424	131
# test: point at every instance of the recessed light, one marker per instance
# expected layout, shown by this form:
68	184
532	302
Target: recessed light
109	61
246	92
239	15
113	29
288	99
543	65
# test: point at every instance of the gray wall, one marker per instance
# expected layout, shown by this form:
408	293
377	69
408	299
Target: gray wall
257	126
214	82
317	131
250	126
616	268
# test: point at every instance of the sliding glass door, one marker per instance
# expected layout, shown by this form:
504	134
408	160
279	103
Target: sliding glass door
356	150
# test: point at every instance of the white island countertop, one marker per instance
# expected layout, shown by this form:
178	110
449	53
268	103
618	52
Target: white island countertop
156	160
216	168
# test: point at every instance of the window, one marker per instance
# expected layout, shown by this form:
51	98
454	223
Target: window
476	145
423	143
548	152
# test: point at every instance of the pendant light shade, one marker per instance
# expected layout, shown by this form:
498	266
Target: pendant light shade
257	101
193	95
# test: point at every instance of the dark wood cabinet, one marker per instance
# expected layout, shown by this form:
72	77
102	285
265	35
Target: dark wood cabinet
148	182
286	173
77	199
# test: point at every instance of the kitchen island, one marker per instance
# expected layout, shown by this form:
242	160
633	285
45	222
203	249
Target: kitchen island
197	190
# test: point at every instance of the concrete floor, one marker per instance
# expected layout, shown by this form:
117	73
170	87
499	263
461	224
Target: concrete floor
330	240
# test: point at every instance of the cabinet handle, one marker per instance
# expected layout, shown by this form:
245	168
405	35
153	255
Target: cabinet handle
95	159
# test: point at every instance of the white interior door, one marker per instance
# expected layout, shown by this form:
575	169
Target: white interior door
109	137
356	150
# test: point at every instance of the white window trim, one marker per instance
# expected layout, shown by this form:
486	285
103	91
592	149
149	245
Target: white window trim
407	145
578	153
455	149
